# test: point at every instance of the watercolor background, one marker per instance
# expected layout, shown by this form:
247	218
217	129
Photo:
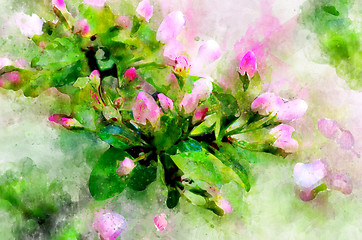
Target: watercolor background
300	67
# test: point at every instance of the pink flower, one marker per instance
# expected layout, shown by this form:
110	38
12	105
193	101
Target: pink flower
145	108
160	222
82	27
60	4
309	175
29	25
125	166
4	62
201	91
130	74
95	74
181	66
284	140
123	21
266	103
166	103
345	140
145	9
224	205
13	77
329	128
209	52
109	225
171	26
340	181
248	64
199	114
64	121
291	110
95	3
173	48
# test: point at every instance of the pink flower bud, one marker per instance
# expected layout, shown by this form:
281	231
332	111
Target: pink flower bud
130	74
201	91
345	140
94	74
173	48
82	27
248	64
309	175
125	167
181	66
329	128
95	3
341	182
109	225
166	103
266	103
200	114
60	4
224	205
145	9
145	108
4	62
284	140
64	121
171	26
189	102
123	21
160	222
209	52
13	77
29	25
307	194
291	110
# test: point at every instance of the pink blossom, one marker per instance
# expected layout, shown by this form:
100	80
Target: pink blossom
60	4
166	103
130	74
13	77
125	166
284	140
145	9
4	62
345	140
199	114
95	74
201	91
224	205
64	121
160	222
266	103
309	175
109	225
95	3
291	110
123	21
248	64
145	108
29	25
329	128
173	48
340	181
82	27
21	63
181	66
209	52
171	26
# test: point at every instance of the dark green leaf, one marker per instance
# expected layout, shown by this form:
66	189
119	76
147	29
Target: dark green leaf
189	145
168	134
104	182
173	197
141	176
119	137
228	103
244	80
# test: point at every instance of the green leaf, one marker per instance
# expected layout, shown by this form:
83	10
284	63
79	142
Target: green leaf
228	103
173	197
104	182
168	134
81	82
244	80
189	145
141	176
206	126
119	137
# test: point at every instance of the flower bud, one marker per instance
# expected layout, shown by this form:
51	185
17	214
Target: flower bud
199	114
145	108
171	26
64	121
209	52
223	204
248	64
166	103
82	27
284	140
123	21
109	225
125	167
309	175
145	9
130	74
266	103
181	66
329	128
345	140
160	222
291	110
60	4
